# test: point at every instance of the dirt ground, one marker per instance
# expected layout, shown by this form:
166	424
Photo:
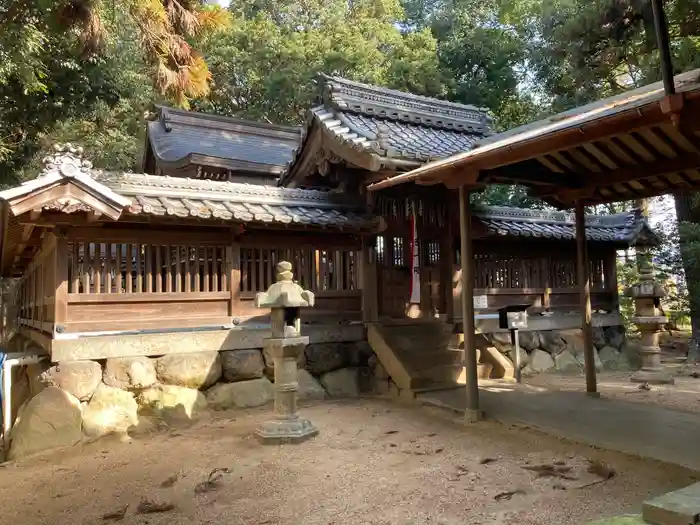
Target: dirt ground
684	394
374	462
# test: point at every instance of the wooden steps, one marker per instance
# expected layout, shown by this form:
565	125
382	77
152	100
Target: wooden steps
417	356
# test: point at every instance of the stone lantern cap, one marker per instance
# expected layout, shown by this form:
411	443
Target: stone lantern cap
646	288
285	293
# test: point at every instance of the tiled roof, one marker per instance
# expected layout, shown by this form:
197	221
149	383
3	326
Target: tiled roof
398	125
389	127
626	228
180	137
231	201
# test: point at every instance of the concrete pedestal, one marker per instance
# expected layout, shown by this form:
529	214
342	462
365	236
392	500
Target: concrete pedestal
647	295
284	298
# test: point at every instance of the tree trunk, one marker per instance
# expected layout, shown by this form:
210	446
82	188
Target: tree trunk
684	213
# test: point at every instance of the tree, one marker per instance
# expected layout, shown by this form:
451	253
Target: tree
265	67
57	62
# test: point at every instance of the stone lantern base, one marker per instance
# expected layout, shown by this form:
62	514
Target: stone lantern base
284	431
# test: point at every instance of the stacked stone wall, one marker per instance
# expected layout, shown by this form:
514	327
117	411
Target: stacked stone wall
67	402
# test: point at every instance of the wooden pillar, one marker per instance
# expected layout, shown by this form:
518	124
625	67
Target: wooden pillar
610	269
61	282
370	305
233	259
472	413
584	282
447	258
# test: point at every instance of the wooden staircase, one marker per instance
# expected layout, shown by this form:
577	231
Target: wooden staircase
416	354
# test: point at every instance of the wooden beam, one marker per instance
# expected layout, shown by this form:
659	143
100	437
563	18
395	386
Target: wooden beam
149	236
584	283
627	174
473	412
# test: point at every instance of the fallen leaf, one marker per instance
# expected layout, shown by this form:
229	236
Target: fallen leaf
212	482
151	507
551	471
117	515
170	481
600	469
508	495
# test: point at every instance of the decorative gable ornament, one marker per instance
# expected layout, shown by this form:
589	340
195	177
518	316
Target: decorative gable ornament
66	184
67	161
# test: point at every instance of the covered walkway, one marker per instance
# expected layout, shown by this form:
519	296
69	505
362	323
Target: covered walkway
644	430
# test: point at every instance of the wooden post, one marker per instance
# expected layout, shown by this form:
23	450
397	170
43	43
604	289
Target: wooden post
233	258
61	282
584	282
472	412
610	269
447	269
370	306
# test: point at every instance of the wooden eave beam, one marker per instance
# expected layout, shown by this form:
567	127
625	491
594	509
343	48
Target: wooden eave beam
625	175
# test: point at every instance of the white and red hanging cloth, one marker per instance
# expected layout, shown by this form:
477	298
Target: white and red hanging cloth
415	260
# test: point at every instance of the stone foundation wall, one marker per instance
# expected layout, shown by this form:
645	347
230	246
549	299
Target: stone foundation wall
562	350
68	402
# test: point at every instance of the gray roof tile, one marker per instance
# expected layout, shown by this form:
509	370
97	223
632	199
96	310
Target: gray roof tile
625	228
177	135
205	199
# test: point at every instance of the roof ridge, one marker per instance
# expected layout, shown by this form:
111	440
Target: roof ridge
399	93
391	104
170	114
515	213
126	183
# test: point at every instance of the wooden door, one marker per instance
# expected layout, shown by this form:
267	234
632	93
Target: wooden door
394	271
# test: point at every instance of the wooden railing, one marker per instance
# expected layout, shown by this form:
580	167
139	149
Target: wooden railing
333	276
37	289
116	286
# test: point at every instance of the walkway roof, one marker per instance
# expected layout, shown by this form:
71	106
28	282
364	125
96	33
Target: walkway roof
638	144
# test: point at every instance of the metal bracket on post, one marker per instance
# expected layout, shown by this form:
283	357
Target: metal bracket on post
514	318
515	338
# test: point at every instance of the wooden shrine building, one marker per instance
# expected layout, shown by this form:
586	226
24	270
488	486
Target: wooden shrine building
168	261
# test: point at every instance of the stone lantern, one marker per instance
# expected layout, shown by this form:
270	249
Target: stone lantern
647	295
285	298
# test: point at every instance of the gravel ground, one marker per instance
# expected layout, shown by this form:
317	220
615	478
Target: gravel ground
375	462
684	394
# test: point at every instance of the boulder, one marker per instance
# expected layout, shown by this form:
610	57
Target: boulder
270	363
309	388
540	361
34	372
172	402
596	359
322	358
240	365
574	341
529	340
524	358
242	394
78	378
615	335
197	370
359	353
129	373
630	355
51	419
565	361
551	342
110	410
341	383
501	340
609	357
598	333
